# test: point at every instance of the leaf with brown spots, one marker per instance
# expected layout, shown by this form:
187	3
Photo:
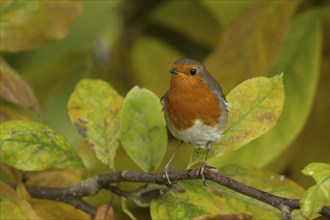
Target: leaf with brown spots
94	108
300	59
255	106
31	146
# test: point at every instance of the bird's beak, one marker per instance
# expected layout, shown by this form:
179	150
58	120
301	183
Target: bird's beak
174	71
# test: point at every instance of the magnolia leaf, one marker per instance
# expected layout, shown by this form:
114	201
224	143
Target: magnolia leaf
57	178
30	146
15	89
10	174
10	210
143	130
255	106
104	212
7	113
94	108
300	60
49	209
29	24
318	195
216	200
249	46
194	202
267	181
12	206
318	171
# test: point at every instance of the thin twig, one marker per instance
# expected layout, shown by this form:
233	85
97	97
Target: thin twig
286	212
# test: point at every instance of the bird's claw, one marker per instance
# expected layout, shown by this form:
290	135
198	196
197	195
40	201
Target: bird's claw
165	176
202	169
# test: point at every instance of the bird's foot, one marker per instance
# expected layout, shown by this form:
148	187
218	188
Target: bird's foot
202	169
166	176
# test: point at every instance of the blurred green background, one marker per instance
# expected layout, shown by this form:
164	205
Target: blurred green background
131	43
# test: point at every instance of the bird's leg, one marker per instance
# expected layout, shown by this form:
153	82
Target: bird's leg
165	170
202	168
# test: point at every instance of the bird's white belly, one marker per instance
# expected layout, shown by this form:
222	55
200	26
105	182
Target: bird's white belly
198	135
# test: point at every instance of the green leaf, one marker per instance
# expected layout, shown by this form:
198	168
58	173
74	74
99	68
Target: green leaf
299	59
14	204
195	201
198	200
318	195
143	130
30	146
255	106
94	108
318	171
10	210
15	89
29	24
267	181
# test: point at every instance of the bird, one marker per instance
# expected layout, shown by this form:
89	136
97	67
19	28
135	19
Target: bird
195	108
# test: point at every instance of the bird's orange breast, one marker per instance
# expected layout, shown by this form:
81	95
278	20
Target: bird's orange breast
189	99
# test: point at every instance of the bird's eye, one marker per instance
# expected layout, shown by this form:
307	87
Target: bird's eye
193	71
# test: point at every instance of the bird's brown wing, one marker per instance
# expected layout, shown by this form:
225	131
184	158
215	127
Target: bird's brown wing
162	99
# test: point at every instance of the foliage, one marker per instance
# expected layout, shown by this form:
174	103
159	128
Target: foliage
255	106
300	45
142	131
216	200
318	195
49	48
28	145
94	109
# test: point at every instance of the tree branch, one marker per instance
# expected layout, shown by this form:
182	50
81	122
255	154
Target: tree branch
61	194
73	195
325	211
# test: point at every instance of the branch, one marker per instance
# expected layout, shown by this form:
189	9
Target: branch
325	211
61	194
72	195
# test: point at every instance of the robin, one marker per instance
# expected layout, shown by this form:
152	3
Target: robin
195	108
